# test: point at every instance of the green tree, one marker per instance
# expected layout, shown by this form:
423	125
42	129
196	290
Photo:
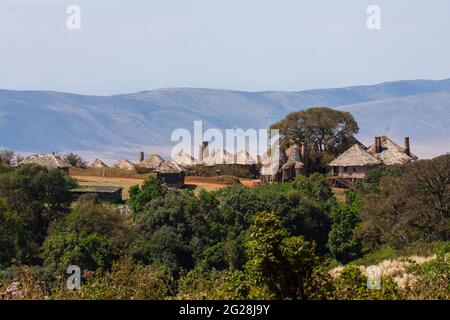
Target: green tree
91	236
140	196
89	251
282	267
32	197
75	160
410	205
327	132
341	242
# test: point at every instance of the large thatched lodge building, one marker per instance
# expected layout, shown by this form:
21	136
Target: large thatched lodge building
354	163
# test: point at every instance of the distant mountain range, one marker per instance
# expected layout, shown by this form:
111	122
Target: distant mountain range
121	125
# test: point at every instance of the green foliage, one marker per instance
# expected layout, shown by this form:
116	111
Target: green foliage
433	278
326	132
234	170
315	188
351	284
75	160
384	253
127	280
341	242
91	236
30	198
140	196
281	267
90	252
177	228
412	204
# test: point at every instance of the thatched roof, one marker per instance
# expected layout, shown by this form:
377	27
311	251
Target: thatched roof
356	156
391	153
184	159
124	164
169	166
152	162
98	164
219	156
46	160
243	157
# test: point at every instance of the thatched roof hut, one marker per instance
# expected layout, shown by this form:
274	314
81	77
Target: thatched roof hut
152	162
50	161
244	158
357	155
124	164
219	156
98	164
184	159
170	174
391	153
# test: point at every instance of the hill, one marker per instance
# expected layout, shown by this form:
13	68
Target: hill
114	126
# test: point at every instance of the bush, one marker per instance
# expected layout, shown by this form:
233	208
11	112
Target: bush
140	196
127	280
91	236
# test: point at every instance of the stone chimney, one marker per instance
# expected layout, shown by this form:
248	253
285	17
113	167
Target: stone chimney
203	152
407	146
377	149
141	156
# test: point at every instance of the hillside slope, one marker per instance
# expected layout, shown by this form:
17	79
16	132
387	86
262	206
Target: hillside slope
43	121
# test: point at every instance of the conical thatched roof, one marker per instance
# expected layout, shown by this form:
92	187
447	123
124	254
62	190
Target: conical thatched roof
169	166
355	156
391	153
243	157
98	164
219	156
46	160
183	159
124	164
152	162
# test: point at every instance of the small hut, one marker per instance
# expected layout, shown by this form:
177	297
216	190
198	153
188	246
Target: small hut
184	159
50	161
152	162
170	174
219	156
101	193
353	164
244	158
99	164
124	164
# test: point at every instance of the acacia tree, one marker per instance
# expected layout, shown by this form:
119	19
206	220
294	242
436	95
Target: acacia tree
324	128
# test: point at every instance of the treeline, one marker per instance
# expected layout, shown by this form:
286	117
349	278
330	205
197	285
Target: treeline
272	241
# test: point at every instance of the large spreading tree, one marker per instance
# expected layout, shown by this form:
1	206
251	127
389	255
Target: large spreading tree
326	132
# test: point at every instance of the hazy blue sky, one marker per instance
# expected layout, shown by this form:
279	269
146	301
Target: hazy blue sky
234	44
